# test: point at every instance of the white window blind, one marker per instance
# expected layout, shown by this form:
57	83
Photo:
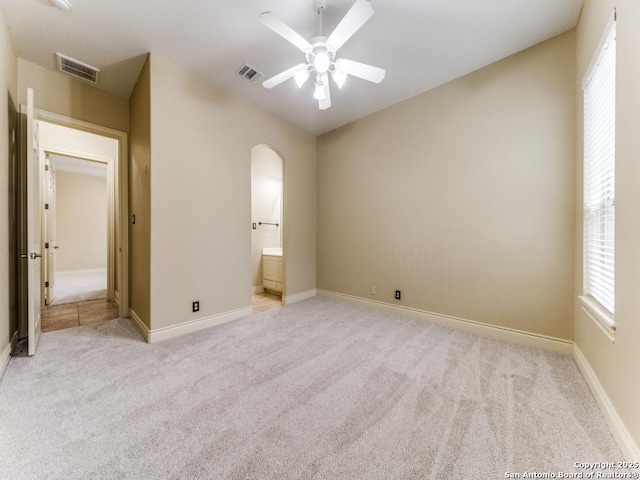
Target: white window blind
599	89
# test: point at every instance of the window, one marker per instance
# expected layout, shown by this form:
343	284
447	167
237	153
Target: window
599	95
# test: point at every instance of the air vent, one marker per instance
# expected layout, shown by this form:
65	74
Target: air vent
78	69
249	73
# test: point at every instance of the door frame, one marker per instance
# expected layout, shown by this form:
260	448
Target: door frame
48	224
111	209
283	212
118	185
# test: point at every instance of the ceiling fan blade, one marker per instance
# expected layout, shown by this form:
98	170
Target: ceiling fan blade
326	101
358	14
284	30
283	76
361	70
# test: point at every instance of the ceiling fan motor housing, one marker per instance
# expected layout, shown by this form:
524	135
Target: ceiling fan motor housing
321	56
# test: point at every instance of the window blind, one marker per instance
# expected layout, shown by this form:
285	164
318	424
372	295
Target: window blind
599	172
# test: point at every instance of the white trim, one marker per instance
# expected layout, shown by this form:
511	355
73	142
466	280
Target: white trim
298	297
619	430
599	316
257	289
503	333
173	331
611	22
4	360
6	354
88	270
142	328
111	164
120	182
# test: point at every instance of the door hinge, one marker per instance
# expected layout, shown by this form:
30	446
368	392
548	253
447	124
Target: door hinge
46	206
46	244
46	284
46	168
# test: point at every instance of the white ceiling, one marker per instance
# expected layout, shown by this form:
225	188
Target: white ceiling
421	44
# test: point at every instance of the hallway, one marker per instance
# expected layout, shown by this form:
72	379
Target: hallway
59	317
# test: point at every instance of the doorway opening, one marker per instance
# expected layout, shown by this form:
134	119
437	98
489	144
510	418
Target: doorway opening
57	142
31	215
78	227
75	230
267	229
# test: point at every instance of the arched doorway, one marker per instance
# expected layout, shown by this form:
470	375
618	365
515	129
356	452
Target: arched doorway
267	228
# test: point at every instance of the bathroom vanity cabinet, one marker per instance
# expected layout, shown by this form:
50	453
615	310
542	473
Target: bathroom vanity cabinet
272	273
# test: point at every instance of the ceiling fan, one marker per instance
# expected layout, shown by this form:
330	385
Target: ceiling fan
320	53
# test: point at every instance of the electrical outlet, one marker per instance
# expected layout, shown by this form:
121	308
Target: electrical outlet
373	290
398	295
195	306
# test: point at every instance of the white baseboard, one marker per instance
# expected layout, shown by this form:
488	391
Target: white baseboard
139	324
166	333
257	289
82	271
4	361
619	430
509	334
298	297
6	354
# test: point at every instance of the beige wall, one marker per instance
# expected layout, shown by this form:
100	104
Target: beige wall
59	93
8	76
81	221
266	205
462	197
616	365
140	196
201	140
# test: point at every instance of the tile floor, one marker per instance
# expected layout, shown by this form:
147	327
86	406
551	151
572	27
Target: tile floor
261	302
58	317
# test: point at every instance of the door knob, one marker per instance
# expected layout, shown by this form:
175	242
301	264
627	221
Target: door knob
34	255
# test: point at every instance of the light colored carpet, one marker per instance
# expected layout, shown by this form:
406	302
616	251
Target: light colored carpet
80	286
314	390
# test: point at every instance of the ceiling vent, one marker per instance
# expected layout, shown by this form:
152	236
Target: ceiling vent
249	73
77	69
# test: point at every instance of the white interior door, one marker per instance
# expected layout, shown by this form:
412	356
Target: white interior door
50	242
35	169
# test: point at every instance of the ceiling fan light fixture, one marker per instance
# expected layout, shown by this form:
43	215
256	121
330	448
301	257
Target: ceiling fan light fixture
62	4
320	53
339	77
321	62
301	77
319	93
